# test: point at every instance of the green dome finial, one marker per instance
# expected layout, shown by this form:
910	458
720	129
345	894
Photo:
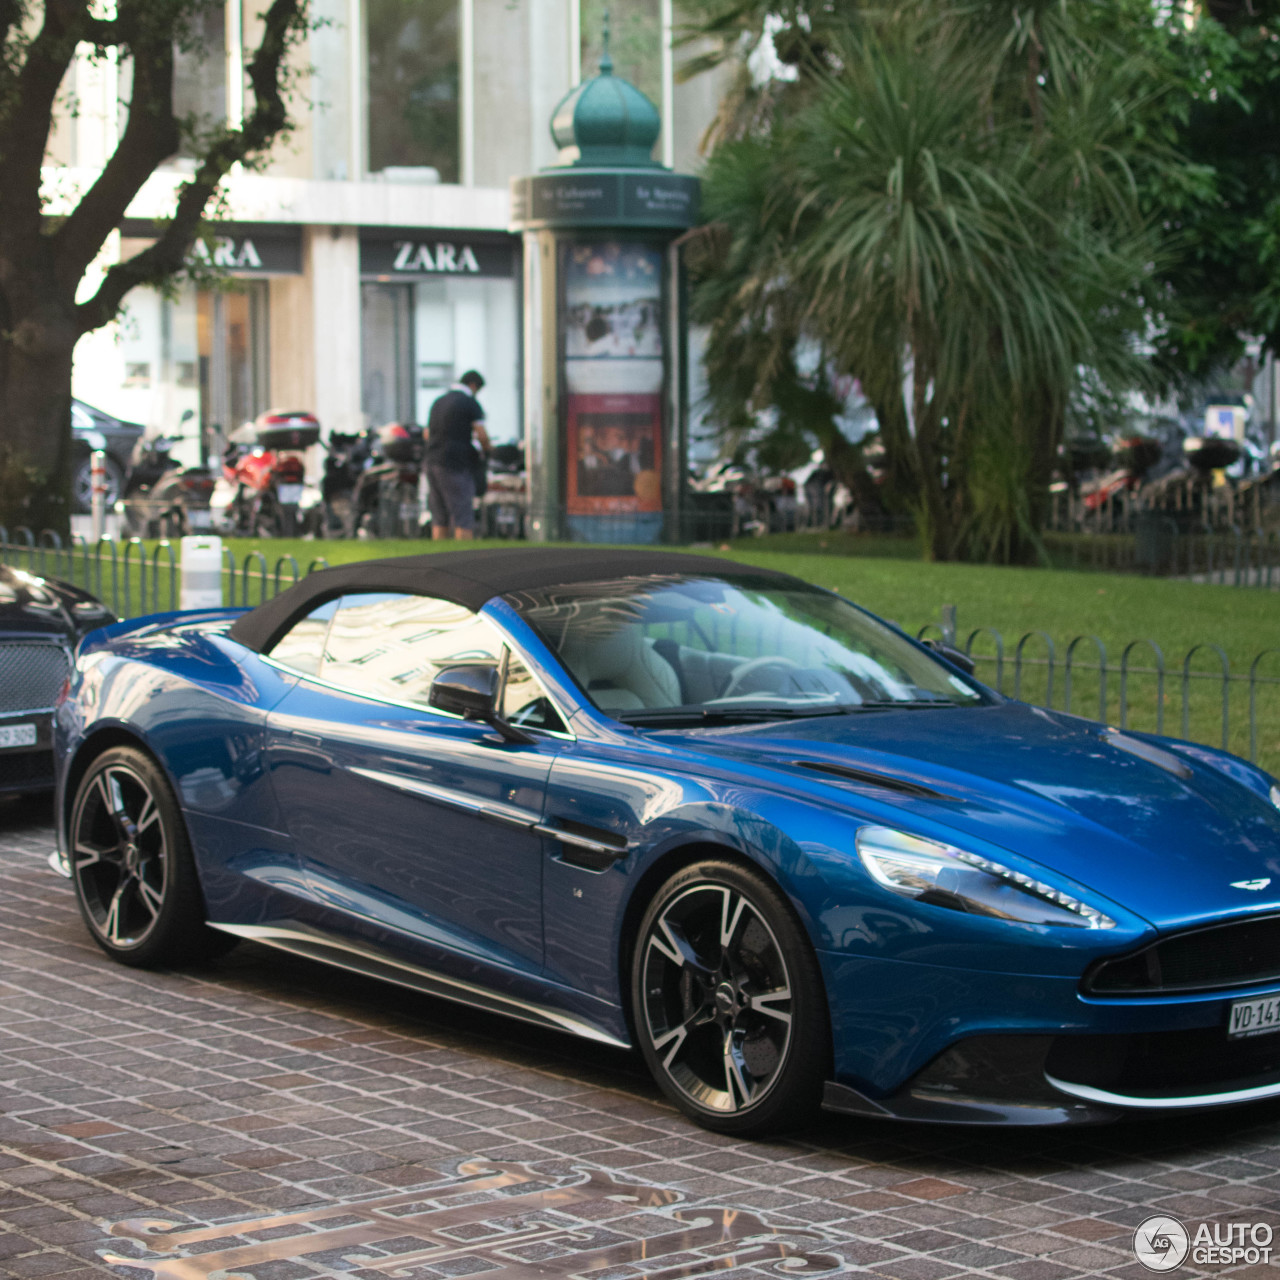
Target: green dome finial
606	62
606	121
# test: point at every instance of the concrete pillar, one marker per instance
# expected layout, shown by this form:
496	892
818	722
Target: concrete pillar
293	368
332	260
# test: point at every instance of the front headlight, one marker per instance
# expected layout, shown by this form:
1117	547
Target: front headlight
1275	796
945	876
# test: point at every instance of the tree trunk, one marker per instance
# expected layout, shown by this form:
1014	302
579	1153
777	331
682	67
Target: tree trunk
35	420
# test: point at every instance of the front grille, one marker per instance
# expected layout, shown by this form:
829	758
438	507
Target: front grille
1240	953
1166	1063
31	675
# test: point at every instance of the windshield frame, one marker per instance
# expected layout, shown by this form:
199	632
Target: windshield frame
526	604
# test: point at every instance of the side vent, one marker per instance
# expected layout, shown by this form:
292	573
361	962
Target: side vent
869	778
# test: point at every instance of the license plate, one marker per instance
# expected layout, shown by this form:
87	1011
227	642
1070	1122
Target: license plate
200	518
290	493
1254	1018
17	735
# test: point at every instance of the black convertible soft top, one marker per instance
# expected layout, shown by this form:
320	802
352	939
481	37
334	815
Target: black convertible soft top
471	578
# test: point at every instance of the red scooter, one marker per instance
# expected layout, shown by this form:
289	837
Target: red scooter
263	490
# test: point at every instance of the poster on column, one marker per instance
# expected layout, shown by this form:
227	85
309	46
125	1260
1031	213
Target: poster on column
614	371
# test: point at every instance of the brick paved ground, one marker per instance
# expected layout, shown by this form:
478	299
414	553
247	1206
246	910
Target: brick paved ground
264	1083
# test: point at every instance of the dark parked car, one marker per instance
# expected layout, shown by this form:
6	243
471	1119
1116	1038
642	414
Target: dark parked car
792	855
92	429
41	621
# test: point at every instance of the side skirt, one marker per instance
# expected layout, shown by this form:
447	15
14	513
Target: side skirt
343	954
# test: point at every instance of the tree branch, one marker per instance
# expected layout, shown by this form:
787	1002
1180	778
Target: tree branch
284	22
150	136
26	115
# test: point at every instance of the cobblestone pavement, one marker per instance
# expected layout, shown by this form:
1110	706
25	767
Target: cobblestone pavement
263	1084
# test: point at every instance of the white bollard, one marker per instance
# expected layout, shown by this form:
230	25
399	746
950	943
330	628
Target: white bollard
201	573
98	493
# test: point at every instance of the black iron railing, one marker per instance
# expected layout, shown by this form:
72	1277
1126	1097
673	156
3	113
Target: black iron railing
1201	696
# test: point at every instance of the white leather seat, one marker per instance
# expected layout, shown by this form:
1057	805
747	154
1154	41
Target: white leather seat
622	671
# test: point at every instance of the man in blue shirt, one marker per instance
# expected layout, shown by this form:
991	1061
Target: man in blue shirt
451	459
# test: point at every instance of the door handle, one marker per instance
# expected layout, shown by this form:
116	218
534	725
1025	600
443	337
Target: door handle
305	739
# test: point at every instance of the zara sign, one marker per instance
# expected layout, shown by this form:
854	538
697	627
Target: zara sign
229	252
415	256
389	254
236	248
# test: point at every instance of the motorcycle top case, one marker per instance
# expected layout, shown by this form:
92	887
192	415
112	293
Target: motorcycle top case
280	430
400	443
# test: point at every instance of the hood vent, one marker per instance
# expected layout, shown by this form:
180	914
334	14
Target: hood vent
869	778
1147	751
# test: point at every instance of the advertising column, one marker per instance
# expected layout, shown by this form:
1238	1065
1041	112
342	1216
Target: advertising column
614	374
606	405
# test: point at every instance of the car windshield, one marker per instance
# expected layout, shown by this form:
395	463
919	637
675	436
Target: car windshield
685	649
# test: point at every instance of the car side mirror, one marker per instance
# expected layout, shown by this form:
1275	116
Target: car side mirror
957	657
471	691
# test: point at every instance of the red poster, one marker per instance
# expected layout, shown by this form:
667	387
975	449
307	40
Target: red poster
614	453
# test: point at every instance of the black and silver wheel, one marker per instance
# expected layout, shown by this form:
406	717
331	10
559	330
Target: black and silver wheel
82	483
728	1001
131	864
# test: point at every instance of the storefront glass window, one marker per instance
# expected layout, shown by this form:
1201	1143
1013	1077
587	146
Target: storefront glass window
232	339
386	334
200	76
413	85
419	338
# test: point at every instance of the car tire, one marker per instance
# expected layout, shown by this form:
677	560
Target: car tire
132	867
728	1001
82	484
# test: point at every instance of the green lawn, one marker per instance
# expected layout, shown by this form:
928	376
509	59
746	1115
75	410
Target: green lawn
1064	604
886	575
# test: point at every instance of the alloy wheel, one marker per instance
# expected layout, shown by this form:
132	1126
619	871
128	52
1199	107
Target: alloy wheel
120	856
717	998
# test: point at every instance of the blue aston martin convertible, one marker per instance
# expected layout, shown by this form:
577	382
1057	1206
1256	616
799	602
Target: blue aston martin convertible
661	800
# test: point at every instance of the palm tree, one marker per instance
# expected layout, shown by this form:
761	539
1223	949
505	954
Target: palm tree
961	252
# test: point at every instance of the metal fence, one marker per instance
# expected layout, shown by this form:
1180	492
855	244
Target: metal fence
1199	697
1156	545
132	579
1190	498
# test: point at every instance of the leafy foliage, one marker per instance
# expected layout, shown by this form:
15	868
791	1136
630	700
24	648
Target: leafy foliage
44	259
1222	288
947	206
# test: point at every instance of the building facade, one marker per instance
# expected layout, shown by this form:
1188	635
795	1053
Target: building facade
371	260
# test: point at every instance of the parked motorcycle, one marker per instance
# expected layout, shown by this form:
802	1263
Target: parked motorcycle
760	503
506	501
1132	457
1209	453
387	496
162	497
746	512
347	455
263	490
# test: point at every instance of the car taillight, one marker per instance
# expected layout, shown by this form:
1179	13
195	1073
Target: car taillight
64	692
